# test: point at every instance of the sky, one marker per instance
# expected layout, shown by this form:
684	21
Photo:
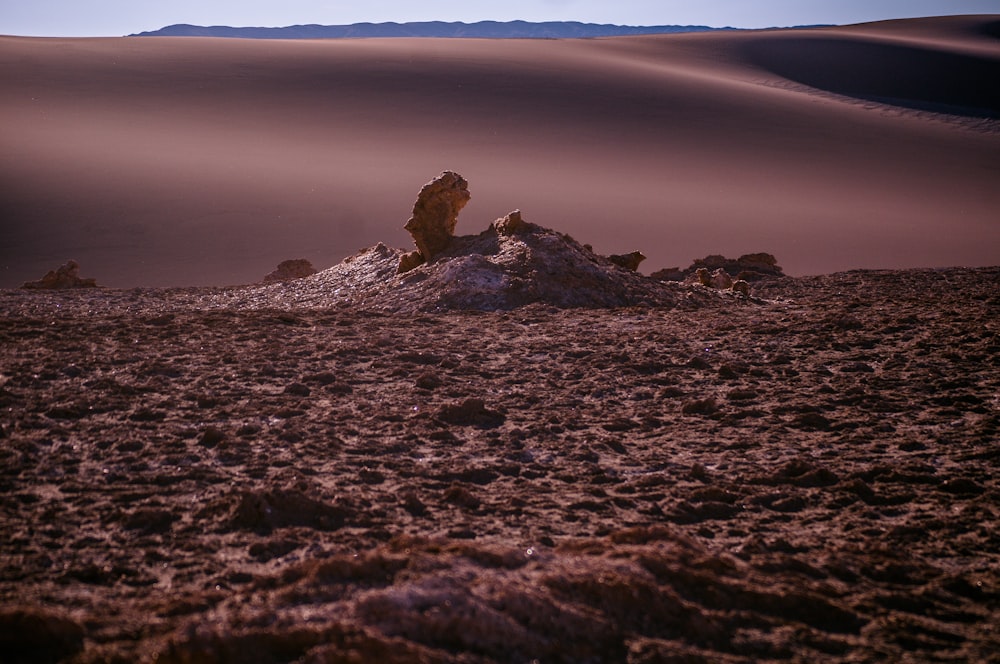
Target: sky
99	18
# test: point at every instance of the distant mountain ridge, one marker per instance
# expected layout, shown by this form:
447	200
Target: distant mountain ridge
481	29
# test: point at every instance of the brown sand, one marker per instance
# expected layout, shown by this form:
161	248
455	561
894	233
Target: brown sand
809	477
158	161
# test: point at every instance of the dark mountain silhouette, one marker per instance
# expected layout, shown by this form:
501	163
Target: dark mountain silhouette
487	29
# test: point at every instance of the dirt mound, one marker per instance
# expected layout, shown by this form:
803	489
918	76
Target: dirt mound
490	271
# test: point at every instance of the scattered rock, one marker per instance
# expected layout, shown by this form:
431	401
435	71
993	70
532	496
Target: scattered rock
628	261
435	213
296	268
410	260
721	279
509	224
66	276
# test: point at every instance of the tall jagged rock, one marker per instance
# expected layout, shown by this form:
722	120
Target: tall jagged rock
435	214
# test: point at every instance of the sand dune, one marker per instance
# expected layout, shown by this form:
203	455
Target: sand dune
182	161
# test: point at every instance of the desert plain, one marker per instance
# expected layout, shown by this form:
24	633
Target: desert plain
517	451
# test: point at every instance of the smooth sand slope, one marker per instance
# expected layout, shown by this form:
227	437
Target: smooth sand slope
184	161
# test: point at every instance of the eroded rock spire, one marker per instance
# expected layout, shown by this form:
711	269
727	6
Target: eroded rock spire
435	214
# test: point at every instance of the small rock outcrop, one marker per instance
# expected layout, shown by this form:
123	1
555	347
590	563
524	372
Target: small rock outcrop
721	279
509	224
66	276
410	260
628	261
296	268
748	267
435	214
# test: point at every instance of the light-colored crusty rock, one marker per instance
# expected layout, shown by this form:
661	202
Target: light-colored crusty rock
721	279
628	261
509	224
66	276
295	268
410	260
435	213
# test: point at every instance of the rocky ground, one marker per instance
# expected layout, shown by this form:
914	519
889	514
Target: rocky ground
218	476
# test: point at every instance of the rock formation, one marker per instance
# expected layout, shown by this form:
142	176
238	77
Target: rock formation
509	224
510	264
296	268
749	267
721	279
628	261
410	260
66	276
435	214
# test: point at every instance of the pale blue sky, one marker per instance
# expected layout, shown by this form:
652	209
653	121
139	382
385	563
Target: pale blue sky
120	17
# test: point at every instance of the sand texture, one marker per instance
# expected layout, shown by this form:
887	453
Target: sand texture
191	161
212	475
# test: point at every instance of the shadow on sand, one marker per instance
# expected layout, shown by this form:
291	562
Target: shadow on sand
909	77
